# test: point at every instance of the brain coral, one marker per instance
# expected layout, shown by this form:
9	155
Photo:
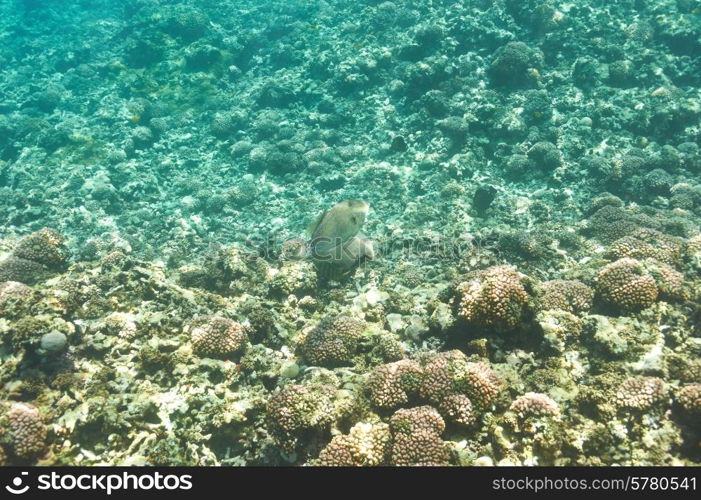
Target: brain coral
217	337
27	430
333	341
494	297
625	284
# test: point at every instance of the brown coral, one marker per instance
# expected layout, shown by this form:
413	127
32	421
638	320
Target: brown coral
416	438
640	393
365	445
27	430
394	384
449	373
298	408
634	248
494	297
481	383
14	298
458	409
333	341
626	284
611	222
22	270
534	404
670	282
10	290
689	398
217	337
566	295
45	246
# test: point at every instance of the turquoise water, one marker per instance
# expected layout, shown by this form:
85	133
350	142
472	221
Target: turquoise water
516	281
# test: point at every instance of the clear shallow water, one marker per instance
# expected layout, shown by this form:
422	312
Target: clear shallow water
531	170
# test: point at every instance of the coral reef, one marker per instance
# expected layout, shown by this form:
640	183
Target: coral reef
567	295
494	297
333	341
640	393
394	384
366	445
217	336
625	284
416	437
27	431
533	404
689	397
504	268
297	409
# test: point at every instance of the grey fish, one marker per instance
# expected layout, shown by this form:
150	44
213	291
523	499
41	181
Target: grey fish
335	228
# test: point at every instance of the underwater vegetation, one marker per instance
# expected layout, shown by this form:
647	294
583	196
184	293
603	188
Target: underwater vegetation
365	233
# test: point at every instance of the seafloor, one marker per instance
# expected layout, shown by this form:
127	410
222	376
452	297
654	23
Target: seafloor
532	168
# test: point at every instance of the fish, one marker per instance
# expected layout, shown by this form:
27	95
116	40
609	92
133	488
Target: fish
346	258
335	243
334	229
